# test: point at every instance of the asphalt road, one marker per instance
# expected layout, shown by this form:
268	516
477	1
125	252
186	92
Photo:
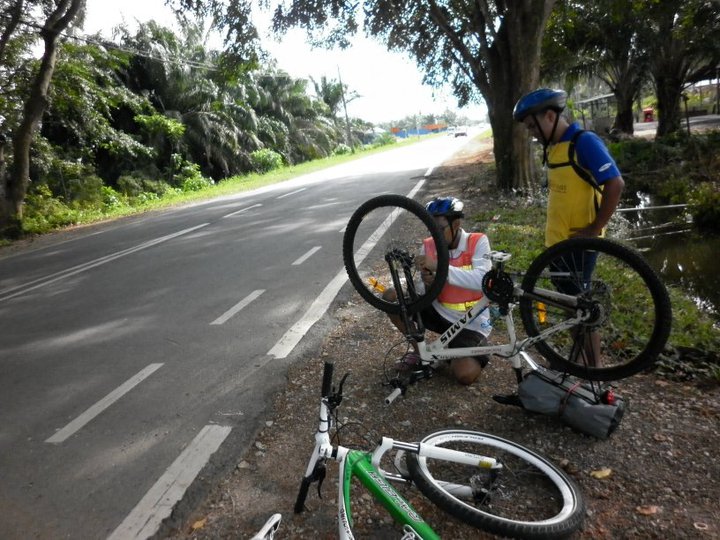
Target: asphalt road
137	357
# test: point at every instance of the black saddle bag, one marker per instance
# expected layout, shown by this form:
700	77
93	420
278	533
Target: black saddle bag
595	412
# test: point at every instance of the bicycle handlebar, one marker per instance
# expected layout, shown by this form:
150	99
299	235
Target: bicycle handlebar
393	396
327	379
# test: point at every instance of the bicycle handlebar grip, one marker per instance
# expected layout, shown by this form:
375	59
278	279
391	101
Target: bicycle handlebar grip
393	395
302	495
327	379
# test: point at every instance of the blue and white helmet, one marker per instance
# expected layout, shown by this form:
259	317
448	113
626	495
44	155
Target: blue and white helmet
448	207
539	100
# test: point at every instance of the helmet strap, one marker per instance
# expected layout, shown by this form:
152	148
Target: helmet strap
455	233
546	141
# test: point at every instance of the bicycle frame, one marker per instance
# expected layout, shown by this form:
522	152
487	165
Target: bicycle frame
514	350
365	466
438	349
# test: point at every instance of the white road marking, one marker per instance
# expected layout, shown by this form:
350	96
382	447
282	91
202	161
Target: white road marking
306	256
52	278
317	309
291	193
157	504
241	211
103	404
237	307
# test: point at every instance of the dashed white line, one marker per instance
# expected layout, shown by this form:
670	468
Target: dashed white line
144	520
291	193
241	210
47	280
306	256
292	337
237	307
103	404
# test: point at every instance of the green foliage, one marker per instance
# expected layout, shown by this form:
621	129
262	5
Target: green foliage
133	185
384	139
678	169
511	224
191	179
86	191
43	213
705	205
342	149
265	160
160	125
111	198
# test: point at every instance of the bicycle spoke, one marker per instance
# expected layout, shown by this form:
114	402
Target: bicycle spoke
525	497
624	307
381	241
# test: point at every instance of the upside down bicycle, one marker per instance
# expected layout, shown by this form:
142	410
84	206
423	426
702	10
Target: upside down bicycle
591	307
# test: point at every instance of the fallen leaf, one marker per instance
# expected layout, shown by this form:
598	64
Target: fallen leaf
647	510
199	524
601	473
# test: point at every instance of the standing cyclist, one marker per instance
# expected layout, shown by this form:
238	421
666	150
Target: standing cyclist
462	289
584	186
583	180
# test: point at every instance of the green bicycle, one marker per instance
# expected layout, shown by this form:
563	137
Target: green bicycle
485	481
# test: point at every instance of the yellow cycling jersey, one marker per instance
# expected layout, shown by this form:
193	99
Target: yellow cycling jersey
572	201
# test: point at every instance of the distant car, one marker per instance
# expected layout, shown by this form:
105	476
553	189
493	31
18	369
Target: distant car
461	131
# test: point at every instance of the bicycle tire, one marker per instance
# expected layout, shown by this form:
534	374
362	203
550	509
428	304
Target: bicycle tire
531	498
632	314
352	242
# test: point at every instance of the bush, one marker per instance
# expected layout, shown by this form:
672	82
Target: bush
86	191
196	183
42	212
265	160
111	198
133	185
705	206
342	149
384	140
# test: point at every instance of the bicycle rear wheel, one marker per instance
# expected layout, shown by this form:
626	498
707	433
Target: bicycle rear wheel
627	306
381	240
528	497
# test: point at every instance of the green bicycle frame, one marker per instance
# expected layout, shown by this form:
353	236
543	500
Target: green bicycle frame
359	464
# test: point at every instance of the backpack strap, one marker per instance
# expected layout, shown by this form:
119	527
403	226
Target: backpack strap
582	173
579	170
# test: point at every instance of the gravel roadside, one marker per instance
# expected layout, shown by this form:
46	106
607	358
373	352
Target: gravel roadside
664	477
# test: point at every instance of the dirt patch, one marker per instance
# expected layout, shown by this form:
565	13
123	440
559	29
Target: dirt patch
664	480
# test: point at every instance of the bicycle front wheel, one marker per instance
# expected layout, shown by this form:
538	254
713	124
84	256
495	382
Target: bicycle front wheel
626	309
527	497
380	243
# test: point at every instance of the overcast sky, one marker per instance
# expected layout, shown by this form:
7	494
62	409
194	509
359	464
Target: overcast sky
389	83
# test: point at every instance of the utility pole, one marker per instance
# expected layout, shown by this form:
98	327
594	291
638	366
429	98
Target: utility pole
348	135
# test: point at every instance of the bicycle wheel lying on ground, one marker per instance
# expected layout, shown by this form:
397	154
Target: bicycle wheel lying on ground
528	497
628	307
381	240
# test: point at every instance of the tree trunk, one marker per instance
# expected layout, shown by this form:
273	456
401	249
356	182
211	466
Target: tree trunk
515	70
18	180
668	91
624	118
